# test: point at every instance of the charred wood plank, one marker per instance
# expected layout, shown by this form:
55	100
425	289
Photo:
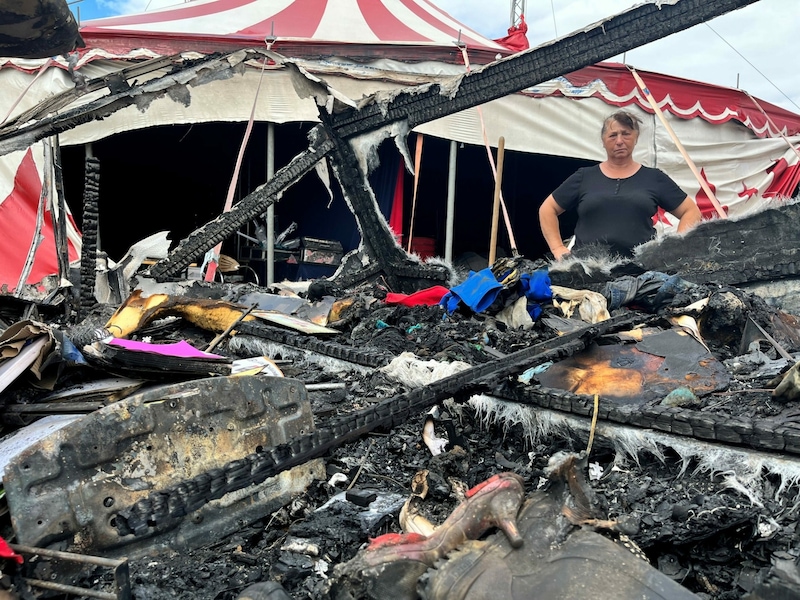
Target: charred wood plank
55	103
760	248
249	207
91	229
635	27
767	435
361	356
376	238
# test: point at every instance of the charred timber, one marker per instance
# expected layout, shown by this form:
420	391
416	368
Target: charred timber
164	509
633	28
91	228
772	435
377	240
361	356
762	247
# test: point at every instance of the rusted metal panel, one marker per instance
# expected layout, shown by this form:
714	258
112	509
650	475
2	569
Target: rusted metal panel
69	485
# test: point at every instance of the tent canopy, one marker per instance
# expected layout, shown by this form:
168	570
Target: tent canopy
412	30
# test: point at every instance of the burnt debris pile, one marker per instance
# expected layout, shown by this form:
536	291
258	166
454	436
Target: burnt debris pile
524	424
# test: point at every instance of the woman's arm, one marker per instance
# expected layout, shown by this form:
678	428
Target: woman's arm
688	215
548	221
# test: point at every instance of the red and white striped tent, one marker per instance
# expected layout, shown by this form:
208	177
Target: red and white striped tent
26	220
408	30
746	149
387	36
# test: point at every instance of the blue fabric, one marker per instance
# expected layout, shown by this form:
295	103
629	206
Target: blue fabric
478	291
651	290
536	288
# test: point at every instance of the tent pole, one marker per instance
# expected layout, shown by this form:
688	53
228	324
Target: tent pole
271	207
451	203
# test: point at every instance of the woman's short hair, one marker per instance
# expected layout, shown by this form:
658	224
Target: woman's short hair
623	117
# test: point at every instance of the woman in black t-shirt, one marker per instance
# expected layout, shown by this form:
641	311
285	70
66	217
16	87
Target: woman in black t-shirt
616	199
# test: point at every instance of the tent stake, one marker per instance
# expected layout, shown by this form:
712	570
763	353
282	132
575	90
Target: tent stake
501	147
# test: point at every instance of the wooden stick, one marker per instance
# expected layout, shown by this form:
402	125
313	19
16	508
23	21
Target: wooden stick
511	239
228	329
681	149
501	145
772	124
417	164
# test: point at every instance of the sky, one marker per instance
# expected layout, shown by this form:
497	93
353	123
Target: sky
750	48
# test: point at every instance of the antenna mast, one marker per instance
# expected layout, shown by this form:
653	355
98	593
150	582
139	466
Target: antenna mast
517	10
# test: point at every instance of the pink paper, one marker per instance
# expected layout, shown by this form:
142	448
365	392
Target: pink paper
180	349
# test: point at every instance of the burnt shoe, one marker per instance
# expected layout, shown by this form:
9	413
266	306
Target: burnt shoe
392	564
586	565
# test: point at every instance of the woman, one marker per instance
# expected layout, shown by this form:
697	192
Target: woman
617	199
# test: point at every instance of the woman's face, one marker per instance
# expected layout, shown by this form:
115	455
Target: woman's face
619	140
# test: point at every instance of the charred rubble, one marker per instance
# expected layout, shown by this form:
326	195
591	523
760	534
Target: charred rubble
692	473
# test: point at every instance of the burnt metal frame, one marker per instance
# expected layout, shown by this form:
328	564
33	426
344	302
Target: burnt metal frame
122	582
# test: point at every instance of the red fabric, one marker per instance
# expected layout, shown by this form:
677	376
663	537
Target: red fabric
18	225
747	192
396	216
7	552
785	179
704	203
428	297
516	40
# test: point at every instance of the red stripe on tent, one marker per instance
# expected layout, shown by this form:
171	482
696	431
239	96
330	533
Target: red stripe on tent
464	35
298	20
385	24
190	10
18	219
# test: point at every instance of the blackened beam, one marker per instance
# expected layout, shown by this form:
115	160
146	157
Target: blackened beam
173	84
635	27
630	29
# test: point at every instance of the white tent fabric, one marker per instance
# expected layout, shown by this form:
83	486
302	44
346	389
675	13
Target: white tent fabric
743	164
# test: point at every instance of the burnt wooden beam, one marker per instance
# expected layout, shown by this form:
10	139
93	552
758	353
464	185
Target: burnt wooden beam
614	35
416	105
55	103
731	252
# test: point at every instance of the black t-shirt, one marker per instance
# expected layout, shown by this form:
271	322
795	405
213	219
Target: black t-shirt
617	212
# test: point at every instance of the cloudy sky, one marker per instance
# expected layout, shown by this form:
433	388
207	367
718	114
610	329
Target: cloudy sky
750	48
